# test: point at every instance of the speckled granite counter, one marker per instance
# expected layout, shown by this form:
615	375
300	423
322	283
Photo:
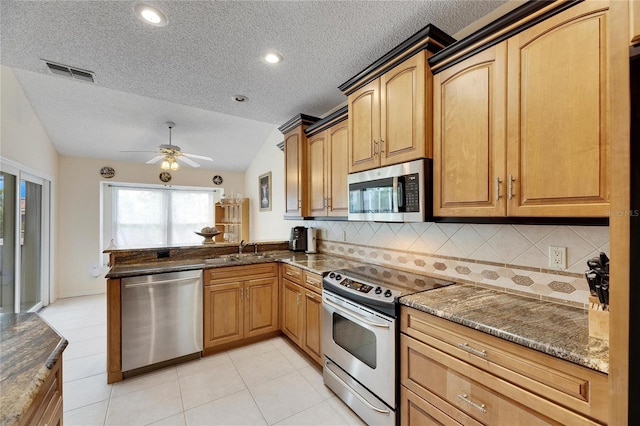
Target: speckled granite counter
29	349
558	330
317	263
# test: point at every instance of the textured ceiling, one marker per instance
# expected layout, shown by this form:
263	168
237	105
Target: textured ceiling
188	71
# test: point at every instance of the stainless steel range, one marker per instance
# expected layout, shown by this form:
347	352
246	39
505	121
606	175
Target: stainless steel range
360	336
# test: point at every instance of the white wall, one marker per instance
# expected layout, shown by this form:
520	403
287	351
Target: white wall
79	209
268	225
22	137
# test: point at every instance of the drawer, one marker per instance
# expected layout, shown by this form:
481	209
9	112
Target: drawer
240	273
576	387
47	405
292	273
434	411
484	397
312	281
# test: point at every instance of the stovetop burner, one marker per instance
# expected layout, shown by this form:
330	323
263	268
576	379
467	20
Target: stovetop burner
377	286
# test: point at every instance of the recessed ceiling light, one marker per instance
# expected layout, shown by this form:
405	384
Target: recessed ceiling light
240	98
150	15
272	57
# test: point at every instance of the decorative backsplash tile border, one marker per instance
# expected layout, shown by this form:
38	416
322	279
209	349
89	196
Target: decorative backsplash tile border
511	257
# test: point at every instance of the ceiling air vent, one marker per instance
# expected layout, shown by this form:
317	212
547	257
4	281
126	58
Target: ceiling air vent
70	72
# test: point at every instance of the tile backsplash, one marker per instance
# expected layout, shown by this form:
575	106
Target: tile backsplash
512	257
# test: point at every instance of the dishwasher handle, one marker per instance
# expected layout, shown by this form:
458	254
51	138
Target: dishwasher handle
153	283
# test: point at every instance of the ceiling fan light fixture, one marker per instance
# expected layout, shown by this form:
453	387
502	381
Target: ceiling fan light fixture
150	15
175	166
165	165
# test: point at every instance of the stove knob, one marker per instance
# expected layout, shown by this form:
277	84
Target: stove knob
338	277
387	293
332	274
378	290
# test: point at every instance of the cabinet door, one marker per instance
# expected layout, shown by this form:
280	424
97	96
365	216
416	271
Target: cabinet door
223	316
294	170
260	306
291	311
317	175
402	109
558	103
469	136
364	127
337	170
312	325
634	23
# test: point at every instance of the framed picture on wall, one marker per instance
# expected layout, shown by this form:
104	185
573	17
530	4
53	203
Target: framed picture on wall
264	191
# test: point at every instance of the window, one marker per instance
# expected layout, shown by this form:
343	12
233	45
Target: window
149	217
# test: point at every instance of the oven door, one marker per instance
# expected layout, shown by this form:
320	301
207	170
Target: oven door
362	343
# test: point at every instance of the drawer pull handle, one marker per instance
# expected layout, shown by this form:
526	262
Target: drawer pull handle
474	351
480	407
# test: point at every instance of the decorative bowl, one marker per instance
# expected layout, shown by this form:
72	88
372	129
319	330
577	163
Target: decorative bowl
208	236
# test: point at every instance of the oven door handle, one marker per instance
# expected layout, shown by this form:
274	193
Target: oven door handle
355	315
353	391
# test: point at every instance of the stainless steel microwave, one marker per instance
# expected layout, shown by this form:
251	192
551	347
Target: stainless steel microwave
398	193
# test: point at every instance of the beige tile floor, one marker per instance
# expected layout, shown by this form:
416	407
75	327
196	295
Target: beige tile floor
266	383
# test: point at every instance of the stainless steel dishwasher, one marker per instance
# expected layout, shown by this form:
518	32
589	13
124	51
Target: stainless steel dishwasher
161	318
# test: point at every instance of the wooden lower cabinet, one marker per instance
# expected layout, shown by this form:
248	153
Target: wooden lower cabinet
291	310
494	383
237	309
301	310
46	408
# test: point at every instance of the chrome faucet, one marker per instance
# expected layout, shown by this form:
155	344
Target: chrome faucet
241	246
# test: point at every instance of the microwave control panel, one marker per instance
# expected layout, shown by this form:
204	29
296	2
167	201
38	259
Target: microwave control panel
411	192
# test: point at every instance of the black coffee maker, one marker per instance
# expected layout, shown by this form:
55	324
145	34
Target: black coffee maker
298	238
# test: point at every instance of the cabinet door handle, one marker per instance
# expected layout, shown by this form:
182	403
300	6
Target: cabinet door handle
474	351
247	293
511	180
241	292
328	203
311	296
299	204
480	407
375	147
498	182
381	145
298	298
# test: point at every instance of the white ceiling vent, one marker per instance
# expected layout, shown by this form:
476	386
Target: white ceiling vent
70	72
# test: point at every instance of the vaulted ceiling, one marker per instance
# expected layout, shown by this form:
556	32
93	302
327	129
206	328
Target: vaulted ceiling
189	70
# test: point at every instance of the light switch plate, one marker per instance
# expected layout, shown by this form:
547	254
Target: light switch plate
557	257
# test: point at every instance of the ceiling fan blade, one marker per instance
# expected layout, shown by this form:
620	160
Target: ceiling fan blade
155	159
187	161
200	157
153	152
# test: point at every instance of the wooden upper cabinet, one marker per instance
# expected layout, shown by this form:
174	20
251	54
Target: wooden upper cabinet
317	174
469	136
328	150
295	168
634	23
296	179
389	115
364	127
558	96
338	169
403	112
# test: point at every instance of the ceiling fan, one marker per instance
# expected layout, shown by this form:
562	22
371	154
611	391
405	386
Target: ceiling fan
169	154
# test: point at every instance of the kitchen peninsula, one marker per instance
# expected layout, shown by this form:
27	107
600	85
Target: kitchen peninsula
30	370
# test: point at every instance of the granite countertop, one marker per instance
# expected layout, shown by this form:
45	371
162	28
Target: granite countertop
316	263
30	348
558	330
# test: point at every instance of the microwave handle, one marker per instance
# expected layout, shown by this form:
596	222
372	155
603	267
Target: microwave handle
398	184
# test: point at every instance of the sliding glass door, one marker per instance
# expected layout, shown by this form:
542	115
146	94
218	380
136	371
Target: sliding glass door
24	241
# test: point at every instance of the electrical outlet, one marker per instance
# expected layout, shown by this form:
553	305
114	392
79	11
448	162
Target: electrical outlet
557	257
